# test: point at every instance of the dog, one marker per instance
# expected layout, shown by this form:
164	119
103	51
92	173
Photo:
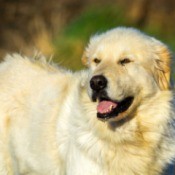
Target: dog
114	118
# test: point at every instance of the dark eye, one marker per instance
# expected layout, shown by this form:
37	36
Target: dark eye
96	60
125	61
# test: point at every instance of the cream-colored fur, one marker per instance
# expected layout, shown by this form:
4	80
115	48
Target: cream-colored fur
48	122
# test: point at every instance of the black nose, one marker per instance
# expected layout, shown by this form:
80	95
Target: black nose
98	82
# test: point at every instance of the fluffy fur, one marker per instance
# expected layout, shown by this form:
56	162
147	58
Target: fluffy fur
48	121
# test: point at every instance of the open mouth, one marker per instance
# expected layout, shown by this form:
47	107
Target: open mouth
108	108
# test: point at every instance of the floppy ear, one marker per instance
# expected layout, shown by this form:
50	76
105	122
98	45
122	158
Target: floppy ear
162	66
84	59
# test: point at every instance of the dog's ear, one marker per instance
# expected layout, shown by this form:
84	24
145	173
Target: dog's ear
162	66
84	59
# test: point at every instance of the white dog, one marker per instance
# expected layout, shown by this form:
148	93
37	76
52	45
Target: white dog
116	118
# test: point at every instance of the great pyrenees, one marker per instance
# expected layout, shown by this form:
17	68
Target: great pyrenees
115	118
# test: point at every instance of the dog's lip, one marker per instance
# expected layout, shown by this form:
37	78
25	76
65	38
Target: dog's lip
120	107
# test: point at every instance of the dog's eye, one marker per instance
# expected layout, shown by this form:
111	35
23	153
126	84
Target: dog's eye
96	60
124	61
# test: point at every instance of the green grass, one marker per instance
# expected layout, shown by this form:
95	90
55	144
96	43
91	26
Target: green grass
94	20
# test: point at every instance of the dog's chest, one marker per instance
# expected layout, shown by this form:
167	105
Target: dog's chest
91	157
78	163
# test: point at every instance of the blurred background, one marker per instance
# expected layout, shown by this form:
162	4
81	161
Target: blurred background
61	28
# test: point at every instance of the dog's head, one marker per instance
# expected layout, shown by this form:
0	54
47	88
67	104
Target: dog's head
127	66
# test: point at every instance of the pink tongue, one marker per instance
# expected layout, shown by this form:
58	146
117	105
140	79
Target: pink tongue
106	106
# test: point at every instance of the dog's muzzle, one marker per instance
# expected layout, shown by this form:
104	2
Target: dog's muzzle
107	107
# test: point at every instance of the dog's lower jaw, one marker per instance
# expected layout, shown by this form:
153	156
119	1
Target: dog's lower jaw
110	110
